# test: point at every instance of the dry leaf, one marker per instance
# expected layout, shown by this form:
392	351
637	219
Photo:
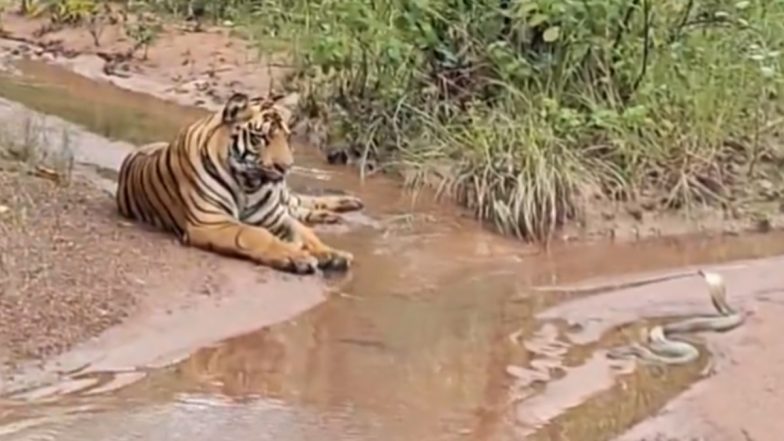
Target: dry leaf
46	173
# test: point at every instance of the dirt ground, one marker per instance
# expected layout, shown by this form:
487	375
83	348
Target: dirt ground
69	268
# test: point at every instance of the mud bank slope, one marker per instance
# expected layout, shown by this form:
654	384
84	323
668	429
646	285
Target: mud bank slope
71	269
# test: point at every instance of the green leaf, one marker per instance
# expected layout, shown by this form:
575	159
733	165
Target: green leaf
551	34
537	19
529	7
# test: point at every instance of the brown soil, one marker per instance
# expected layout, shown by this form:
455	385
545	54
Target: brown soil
70	267
65	271
202	68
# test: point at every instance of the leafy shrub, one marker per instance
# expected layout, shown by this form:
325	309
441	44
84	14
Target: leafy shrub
532	103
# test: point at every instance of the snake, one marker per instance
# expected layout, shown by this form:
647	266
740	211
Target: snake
662	349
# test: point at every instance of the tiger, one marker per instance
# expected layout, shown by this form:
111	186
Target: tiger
219	185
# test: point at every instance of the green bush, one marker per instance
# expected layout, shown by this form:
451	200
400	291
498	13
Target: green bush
61	11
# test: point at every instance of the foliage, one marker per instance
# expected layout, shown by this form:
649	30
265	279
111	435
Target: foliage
65	12
214	9
144	30
534	102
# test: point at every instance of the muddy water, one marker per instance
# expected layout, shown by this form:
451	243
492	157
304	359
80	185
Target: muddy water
433	336
46	90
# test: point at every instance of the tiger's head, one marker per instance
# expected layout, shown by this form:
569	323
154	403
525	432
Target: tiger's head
260	150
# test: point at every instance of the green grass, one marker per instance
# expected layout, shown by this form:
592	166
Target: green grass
536	107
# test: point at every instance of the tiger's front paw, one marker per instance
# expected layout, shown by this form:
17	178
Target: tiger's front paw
302	265
324	217
343	204
293	260
335	260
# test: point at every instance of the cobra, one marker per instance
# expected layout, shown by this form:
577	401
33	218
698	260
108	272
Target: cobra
662	349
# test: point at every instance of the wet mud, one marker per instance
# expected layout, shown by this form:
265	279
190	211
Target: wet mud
437	334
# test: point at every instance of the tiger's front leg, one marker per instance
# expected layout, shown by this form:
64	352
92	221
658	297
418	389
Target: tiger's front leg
313	217
314	210
327	257
334	203
231	237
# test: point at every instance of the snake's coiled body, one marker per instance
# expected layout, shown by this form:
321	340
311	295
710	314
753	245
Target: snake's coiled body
663	350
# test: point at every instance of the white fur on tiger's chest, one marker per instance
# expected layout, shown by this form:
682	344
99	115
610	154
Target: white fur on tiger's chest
265	206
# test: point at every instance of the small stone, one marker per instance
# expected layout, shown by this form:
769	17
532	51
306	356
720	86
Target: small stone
635	211
763	225
648	205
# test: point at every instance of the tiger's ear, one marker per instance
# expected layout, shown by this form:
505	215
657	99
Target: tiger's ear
236	108
286	105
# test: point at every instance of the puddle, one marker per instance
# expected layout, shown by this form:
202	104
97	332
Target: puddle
414	343
118	114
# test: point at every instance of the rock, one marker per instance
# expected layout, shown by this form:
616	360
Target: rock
763	224
648	204
635	211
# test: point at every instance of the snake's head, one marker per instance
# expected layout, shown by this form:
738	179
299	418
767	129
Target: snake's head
718	291
714	280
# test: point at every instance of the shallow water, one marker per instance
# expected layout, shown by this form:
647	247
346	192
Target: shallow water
434	335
